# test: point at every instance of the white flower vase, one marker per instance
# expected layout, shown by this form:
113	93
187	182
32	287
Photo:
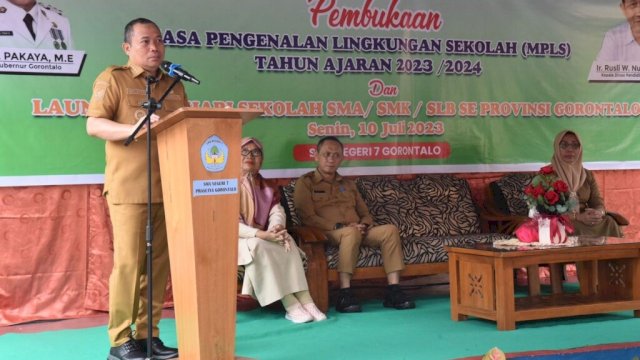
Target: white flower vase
545	237
544	231
561	236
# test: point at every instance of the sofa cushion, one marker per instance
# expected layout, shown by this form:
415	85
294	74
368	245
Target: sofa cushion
431	212
429	205
508	193
417	250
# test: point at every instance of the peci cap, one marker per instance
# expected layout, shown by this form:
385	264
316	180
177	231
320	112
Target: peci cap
247	140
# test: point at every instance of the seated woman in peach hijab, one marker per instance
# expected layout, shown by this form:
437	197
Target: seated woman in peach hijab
272	261
591	217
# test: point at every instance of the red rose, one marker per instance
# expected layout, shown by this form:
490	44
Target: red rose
546	170
552	197
560	186
538	190
528	190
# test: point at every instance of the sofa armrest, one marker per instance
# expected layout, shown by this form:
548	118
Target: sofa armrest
494	221
619	218
493	217
312	242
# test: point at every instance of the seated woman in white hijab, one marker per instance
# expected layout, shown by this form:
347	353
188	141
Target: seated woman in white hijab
272	261
591	218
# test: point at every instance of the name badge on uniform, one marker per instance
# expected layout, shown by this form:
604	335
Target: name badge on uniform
319	191
6	33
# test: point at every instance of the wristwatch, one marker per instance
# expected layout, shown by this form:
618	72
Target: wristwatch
338	226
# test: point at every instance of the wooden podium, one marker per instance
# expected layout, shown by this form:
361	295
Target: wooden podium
199	152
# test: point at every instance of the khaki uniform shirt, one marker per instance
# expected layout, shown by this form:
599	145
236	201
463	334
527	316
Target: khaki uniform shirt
589	194
323	204
118	94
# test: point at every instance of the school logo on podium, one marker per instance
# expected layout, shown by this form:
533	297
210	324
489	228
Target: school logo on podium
214	153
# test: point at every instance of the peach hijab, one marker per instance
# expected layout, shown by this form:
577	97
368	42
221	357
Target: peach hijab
257	196
572	173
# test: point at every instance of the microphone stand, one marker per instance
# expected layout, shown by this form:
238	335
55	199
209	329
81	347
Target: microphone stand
151	105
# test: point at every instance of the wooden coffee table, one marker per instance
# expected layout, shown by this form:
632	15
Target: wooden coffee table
482	284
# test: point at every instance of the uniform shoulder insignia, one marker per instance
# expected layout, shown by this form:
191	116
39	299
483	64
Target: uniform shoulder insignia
3	9
51	8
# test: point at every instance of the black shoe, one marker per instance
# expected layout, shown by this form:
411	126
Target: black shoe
347	302
158	349
397	299
127	351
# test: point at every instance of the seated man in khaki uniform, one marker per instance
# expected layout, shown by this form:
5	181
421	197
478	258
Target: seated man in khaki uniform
326	200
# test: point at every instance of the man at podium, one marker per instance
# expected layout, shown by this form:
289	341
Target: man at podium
114	112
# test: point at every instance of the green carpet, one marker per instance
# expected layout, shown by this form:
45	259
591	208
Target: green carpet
378	333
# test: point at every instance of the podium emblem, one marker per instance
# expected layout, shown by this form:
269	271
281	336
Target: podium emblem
214	153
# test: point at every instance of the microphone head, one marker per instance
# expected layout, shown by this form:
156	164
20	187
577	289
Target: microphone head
166	66
176	71
170	67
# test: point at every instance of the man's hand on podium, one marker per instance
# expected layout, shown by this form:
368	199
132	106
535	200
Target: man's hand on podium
154	118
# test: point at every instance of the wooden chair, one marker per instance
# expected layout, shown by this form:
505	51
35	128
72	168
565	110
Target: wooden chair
497	220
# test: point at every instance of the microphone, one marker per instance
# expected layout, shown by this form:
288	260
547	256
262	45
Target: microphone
176	70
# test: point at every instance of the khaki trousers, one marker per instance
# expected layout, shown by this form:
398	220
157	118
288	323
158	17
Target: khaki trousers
128	280
386	237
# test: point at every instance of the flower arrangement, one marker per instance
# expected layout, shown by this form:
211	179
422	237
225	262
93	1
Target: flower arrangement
550	198
548	194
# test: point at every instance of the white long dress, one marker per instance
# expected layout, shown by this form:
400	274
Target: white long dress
271	272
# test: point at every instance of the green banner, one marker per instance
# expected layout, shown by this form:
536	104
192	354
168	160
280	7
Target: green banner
409	86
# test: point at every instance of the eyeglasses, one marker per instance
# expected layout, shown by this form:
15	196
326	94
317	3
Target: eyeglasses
254	153
329	155
566	146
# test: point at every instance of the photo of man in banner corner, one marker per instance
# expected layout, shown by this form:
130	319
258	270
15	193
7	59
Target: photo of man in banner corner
30	24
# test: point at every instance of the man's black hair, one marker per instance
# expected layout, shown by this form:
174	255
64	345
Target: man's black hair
128	29
328	138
